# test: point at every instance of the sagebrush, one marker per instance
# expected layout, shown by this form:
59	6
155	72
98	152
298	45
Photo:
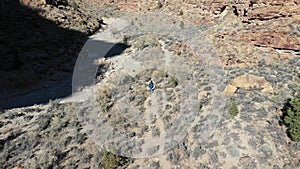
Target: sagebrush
292	118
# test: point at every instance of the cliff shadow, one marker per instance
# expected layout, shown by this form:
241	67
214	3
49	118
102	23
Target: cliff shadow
37	56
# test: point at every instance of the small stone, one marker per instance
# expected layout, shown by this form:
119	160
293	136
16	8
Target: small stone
202	95
268	89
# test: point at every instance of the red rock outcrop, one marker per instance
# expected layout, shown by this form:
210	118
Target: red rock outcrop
248	82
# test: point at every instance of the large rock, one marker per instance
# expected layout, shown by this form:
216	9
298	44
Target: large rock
249	82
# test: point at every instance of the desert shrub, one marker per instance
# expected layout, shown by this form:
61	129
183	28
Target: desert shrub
227	140
212	144
155	132
173	82
111	160
159	5
145	128
208	88
266	150
104	98
152	150
233	110
233	151
173	157
291	117
144	42
136	167
223	154
176	108
181	25
199	106
57	2
74	5
198	151
180	13
155	165
213	158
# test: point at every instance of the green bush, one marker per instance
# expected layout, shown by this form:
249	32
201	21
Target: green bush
292	118
233	110
111	160
198	151
180	13
173	82
74	5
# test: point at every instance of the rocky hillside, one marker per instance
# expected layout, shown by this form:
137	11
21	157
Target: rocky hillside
224	70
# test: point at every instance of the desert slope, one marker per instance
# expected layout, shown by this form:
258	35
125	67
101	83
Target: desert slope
245	52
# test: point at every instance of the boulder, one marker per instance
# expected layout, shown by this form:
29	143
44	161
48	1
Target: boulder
230	90
249	82
202	95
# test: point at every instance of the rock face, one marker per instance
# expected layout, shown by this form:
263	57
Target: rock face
76	15
287	37
248	82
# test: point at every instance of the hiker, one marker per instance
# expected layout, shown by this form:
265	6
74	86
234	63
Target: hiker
151	86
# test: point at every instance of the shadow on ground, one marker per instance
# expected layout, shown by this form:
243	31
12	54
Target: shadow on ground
37	57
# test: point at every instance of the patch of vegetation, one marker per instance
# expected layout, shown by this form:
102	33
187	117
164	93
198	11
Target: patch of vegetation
198	151
159	5
233	151
155	132
155	165
74	5
180	13
233	109
104	97
181	25
199	107
173	81
144	42
111	160
173	157
152	150
291	117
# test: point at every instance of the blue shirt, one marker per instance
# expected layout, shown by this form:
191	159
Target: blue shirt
151	85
